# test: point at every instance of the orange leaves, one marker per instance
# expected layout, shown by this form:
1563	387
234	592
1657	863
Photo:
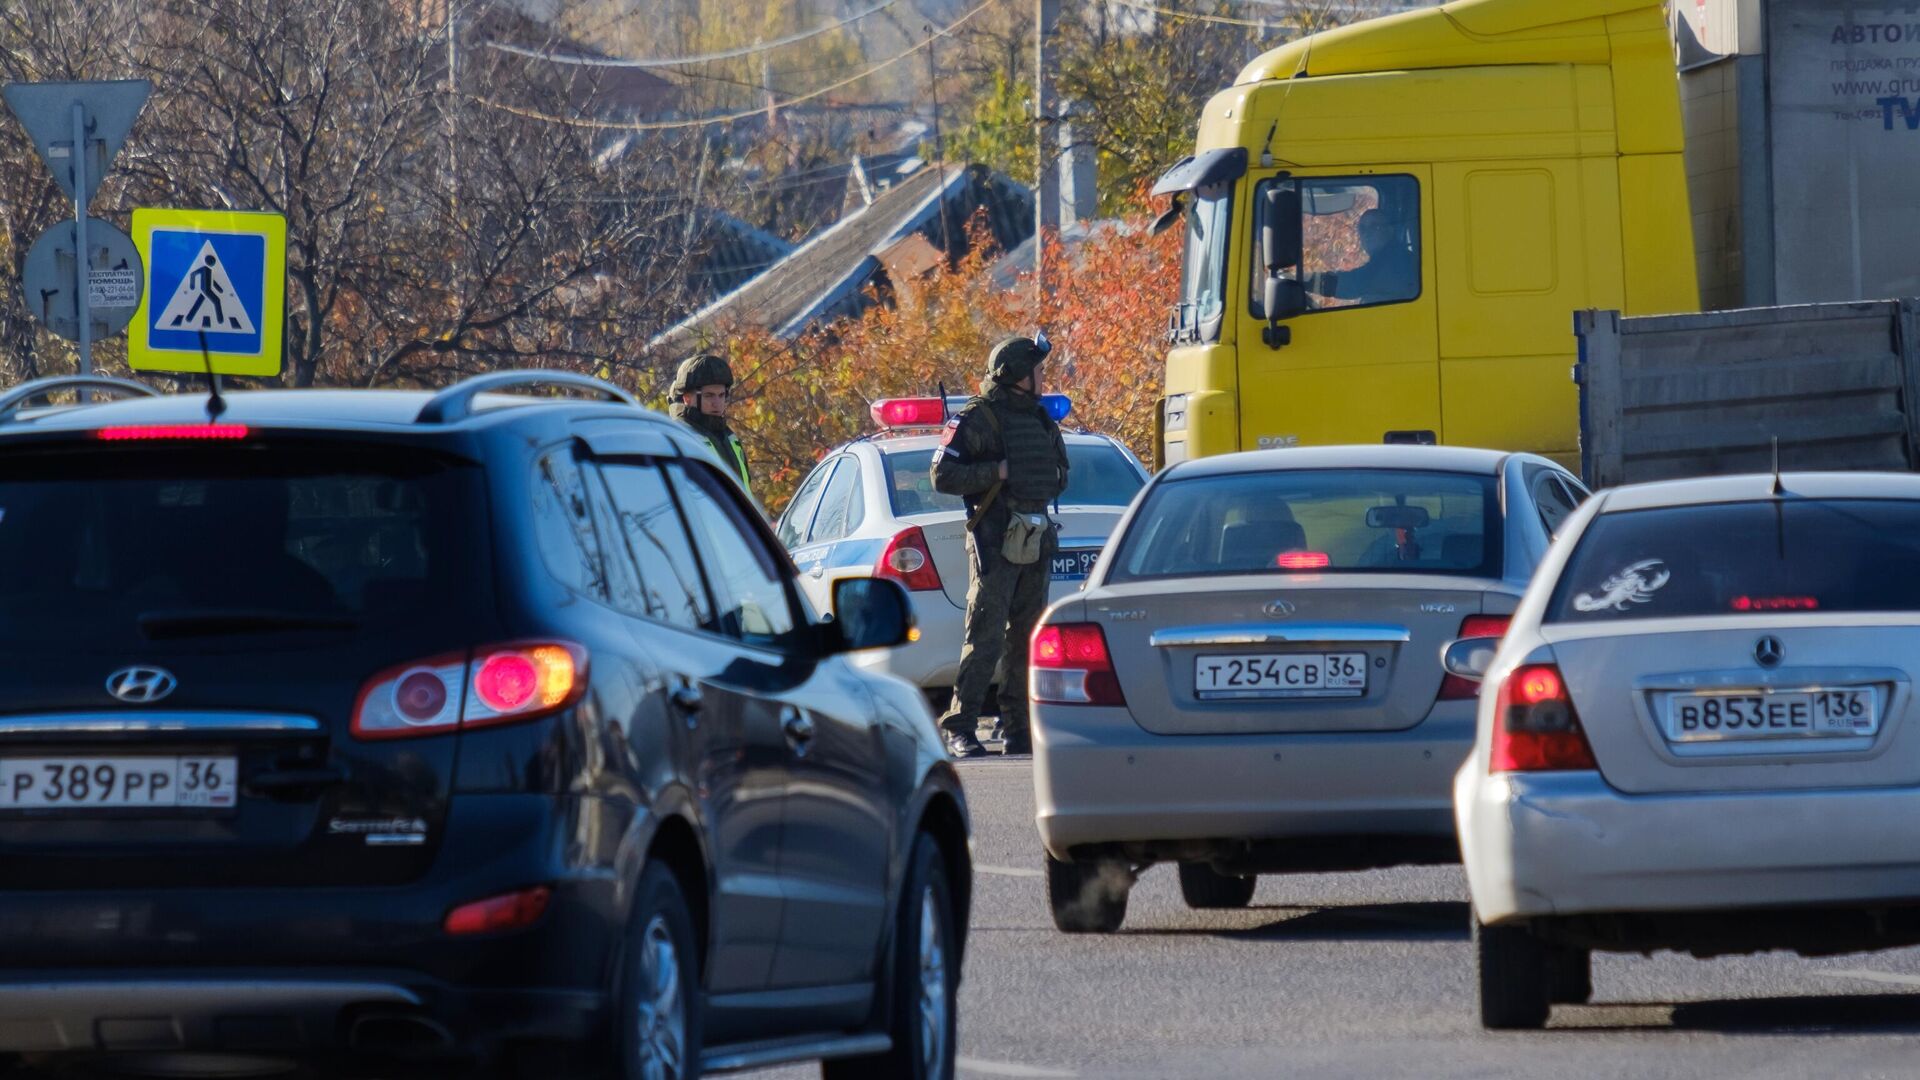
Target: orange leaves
798	399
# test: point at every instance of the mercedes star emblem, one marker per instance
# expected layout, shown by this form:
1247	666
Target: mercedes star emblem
1769	651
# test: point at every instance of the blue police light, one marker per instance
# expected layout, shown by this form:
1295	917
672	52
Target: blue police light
1059	406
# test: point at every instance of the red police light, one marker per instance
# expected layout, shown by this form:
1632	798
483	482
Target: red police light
909	412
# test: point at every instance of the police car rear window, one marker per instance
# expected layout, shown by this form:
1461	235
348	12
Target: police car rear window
1098	475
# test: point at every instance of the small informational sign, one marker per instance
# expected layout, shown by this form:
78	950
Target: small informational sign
215	281
48	279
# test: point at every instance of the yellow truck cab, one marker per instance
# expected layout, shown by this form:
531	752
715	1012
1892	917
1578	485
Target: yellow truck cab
1391	224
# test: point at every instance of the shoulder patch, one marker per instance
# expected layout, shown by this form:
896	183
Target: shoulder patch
952	428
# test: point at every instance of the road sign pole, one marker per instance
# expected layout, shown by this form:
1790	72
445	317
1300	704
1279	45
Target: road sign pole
80	266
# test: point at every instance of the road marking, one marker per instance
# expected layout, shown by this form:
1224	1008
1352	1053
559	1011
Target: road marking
1011	871
1007	1068
1873	976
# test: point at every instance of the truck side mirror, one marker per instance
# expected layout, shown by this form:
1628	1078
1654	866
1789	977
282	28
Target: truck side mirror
1281	243
1280	230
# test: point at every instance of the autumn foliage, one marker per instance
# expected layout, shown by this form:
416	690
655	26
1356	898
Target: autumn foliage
798	399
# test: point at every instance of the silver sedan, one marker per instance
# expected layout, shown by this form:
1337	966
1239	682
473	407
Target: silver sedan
1698	734
1251	681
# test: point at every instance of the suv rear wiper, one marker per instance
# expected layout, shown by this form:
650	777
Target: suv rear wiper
216	622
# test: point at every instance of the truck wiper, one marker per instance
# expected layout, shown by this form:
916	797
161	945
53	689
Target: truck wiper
216	622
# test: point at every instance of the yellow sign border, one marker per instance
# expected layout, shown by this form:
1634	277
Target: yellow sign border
269	361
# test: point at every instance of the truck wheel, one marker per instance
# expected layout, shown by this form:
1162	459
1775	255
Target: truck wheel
926	980
657	1030
1511	965
1205	888
1570	975
1088	897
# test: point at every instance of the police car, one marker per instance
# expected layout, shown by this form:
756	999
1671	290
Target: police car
869	510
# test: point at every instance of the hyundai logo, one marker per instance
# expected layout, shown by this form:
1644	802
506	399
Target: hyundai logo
1769	651
1279	609
141	685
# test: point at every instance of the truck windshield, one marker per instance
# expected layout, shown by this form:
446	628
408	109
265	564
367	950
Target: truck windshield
1203	277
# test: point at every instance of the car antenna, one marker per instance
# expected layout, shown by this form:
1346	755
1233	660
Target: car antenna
215	403
1778	488
942	385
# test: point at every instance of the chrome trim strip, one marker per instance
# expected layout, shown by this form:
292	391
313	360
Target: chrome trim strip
1280	633
186	723
780	1053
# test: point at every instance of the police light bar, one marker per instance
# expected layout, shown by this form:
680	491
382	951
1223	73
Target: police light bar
909	412
1059	406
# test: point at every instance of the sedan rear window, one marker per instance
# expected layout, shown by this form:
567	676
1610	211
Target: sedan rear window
1097	475
1746	558
1332	520
123	547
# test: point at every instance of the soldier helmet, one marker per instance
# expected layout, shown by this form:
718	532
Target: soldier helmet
1014	359
695	372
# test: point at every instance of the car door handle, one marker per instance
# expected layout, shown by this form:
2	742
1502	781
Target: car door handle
797	725
686	696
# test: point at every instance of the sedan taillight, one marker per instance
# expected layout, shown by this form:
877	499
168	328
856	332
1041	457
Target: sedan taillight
495	684
1071	666
909	561
1534	726
1455	688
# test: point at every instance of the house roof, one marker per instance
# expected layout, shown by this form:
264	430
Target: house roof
828	275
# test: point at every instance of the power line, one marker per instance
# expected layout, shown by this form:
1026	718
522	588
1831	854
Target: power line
679	61
708	121
1141	5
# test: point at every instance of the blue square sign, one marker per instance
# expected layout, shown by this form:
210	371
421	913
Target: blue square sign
215	280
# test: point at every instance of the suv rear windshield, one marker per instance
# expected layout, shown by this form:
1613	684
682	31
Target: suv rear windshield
1097	475
1755	558
1336	520
112	548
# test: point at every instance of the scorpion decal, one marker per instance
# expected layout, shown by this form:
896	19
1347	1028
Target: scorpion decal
1634	585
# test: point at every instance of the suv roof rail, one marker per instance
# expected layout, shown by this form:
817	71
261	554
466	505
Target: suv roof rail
12	400
455	403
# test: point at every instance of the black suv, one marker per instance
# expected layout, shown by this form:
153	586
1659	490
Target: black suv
470	725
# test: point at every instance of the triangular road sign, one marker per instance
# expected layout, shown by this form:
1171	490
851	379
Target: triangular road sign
46	111
206	300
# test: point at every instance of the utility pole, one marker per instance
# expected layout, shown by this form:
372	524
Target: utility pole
1047	110
939	146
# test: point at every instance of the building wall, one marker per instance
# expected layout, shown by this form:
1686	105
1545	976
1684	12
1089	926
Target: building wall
1710	107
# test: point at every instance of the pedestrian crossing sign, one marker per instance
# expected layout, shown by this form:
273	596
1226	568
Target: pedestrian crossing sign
213	276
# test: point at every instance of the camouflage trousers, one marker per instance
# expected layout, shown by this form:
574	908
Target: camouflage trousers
1003	603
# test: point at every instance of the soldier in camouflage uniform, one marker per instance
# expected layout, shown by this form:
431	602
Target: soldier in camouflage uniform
700	396
1004	455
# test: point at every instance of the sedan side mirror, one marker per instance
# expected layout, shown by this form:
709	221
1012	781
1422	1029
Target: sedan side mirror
1470	658
871	613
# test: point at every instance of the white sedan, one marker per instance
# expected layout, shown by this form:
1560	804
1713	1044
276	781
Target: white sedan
1698	734
869	510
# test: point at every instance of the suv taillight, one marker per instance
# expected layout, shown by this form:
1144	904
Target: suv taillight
1534	726
909	561
495	684
1071	666
1455	688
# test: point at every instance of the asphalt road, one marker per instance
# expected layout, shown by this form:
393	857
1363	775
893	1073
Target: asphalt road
1368	975
1363	976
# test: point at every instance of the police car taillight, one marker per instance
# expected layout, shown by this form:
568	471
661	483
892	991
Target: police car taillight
909	561
909	412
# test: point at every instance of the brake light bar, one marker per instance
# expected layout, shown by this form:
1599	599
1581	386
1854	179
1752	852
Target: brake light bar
1302	560
1776	603
173	432
494	684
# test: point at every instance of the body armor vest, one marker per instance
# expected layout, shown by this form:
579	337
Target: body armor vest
1035	473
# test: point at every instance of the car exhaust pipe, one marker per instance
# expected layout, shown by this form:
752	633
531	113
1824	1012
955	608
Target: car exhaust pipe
398	1033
